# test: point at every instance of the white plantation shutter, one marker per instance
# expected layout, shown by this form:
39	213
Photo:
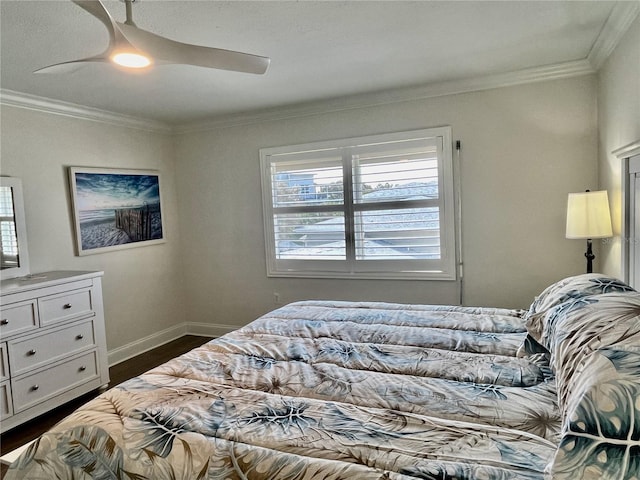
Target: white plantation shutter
404	212
307	193
370	207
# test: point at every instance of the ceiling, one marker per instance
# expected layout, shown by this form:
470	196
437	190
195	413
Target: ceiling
320	50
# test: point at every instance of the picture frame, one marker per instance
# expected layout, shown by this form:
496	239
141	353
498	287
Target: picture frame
115	209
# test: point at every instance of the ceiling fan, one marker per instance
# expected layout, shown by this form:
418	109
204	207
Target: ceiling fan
133	47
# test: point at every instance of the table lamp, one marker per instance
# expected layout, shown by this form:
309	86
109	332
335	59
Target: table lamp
588	216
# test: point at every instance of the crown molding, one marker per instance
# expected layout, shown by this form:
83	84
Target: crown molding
630	150
365	100
622	16
73	110
529	75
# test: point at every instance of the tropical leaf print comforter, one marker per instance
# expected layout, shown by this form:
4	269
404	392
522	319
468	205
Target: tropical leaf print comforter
324	390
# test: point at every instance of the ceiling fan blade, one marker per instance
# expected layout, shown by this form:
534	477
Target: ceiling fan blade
116	40
164	50
72	65
96	8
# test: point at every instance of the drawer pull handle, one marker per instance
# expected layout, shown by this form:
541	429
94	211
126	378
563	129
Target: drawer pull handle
82	368
4	321
79	336
35	387
66	306
31	352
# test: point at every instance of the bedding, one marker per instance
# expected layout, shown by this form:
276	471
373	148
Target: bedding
370	390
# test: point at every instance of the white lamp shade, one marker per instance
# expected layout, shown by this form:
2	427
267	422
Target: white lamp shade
588	215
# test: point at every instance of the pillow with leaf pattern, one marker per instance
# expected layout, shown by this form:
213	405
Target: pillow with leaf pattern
576	329
600	437
595	350
568	290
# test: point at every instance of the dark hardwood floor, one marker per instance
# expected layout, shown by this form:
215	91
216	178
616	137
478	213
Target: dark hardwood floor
118	373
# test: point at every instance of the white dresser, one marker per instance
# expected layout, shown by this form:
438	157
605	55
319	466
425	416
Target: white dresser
52	342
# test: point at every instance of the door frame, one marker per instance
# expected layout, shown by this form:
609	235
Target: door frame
629	155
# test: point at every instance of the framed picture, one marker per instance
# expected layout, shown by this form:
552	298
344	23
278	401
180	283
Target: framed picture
115	209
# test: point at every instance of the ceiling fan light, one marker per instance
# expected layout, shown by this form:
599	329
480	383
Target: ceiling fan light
131	60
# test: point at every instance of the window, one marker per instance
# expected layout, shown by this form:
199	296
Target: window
8	238
370	207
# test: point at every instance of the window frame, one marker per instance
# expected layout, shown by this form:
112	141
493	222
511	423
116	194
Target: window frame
351	267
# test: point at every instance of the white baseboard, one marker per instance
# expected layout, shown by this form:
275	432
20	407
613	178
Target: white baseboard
157	339
145	344
208	329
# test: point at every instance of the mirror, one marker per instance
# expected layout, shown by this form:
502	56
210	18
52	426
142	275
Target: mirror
14	256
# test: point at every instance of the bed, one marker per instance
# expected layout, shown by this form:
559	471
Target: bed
369	390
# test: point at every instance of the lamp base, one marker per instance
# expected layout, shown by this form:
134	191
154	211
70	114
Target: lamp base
590	256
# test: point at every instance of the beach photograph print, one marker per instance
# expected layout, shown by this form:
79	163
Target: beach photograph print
115	208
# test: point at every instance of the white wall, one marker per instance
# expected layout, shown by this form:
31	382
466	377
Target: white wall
142	287
524	149
618	125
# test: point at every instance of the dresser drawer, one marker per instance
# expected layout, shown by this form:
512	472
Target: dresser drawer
4	362
6	409
57	308
39	350
18	318
35	388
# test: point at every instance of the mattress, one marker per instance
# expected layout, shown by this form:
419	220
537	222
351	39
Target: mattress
325	390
